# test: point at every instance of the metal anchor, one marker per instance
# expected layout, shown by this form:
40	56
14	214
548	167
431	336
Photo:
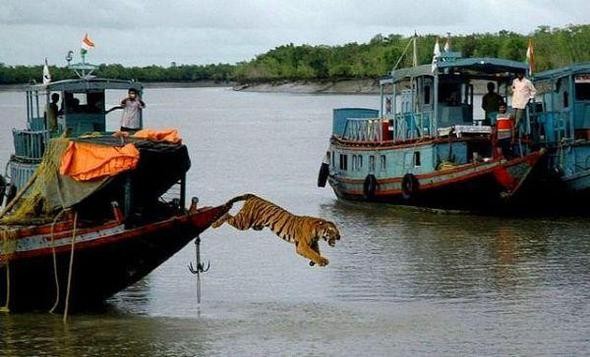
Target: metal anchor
200	267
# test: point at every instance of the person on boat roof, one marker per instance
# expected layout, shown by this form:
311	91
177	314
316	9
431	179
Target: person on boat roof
523	91
490	104
132	106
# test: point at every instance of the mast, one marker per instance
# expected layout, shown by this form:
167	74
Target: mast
415	54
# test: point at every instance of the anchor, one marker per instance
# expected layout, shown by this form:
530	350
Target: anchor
199	268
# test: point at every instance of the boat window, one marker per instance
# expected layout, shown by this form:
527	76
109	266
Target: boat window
417	158
333	159
359	162
582	91
566	101
450	93
383	163
343	162
371	163
354	164
426	94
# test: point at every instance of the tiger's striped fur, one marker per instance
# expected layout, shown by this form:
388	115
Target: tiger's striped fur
304	231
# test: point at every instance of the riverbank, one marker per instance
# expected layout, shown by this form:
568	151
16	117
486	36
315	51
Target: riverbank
354	86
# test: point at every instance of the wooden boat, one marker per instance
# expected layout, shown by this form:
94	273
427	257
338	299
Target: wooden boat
65	242
560	122
426	145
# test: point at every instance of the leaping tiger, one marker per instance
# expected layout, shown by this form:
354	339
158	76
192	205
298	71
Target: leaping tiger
304	231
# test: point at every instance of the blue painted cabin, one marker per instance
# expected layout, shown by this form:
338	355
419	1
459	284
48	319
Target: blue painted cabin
561	123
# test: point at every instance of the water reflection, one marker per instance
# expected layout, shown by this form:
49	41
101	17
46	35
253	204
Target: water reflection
394	254
101	335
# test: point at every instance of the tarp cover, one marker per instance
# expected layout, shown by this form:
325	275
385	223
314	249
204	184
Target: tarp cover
160	165
89	162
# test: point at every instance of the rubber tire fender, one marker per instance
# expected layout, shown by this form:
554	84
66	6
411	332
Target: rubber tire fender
370	186
410	186
323	174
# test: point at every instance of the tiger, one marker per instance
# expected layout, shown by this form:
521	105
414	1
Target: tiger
304	231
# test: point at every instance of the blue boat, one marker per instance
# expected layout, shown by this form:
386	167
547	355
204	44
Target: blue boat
426	144
560	122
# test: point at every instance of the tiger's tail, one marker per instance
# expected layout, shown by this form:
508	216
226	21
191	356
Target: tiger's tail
243	197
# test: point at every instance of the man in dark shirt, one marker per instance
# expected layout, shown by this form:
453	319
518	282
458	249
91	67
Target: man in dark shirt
490	104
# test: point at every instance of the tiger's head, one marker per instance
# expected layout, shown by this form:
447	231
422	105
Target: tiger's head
328	232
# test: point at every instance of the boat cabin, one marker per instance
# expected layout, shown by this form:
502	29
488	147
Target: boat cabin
563	112
81	105
428	100
78	107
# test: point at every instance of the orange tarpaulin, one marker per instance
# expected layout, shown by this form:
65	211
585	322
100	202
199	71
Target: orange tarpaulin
169	135
86	161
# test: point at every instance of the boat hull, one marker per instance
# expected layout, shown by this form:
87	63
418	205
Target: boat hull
106	260
478	186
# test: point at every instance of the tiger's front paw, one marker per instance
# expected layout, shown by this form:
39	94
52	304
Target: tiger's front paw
323	262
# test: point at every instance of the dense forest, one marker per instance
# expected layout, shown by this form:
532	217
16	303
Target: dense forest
554	47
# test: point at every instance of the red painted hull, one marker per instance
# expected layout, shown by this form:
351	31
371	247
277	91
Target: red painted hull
471	186
107	258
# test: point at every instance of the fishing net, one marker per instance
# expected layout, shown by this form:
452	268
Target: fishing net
47	192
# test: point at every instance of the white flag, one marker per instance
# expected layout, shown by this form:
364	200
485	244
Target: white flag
435	55
46	74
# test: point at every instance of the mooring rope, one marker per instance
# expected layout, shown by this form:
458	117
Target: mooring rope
70	268
7	250
56	302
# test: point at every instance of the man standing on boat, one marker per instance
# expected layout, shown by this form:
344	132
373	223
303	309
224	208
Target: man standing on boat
132	106
522	92
490	104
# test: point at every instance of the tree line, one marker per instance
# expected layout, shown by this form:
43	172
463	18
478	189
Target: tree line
554	47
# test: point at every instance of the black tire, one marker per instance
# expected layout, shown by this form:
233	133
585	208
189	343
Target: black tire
323	174
410	186
369	186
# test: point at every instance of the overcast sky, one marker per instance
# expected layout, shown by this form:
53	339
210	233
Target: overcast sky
136	32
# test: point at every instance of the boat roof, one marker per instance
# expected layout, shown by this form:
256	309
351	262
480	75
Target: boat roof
575	68
86	84
476	65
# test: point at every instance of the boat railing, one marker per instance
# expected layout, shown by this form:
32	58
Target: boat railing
554	127
29	144
411	126
365	129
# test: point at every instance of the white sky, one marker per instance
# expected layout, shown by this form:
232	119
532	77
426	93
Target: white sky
136	32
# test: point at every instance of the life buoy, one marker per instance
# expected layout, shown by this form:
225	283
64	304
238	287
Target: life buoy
410	186
369	186
323	174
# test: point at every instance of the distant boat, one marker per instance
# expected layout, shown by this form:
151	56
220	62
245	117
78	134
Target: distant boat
426	146
65	241
560	122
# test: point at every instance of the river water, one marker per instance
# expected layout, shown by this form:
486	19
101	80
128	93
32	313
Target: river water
400	282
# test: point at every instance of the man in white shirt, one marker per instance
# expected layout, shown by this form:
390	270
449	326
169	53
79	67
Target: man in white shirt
522	92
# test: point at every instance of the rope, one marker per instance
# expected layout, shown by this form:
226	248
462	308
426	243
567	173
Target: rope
70	268
8	248
54	255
